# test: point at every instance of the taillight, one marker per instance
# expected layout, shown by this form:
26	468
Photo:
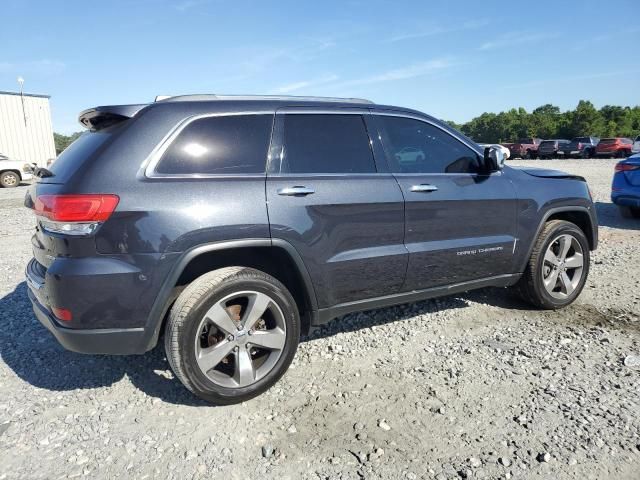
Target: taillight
63	314
625	167
74	214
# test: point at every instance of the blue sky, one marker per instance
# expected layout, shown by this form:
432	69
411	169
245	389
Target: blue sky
453	60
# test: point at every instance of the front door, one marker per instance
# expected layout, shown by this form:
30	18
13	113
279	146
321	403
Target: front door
326	198
460	224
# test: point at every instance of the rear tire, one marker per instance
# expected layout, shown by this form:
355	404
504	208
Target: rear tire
629	212
9	179
551	288
231	334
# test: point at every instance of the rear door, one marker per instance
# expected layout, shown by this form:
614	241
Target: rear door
328	199
460	225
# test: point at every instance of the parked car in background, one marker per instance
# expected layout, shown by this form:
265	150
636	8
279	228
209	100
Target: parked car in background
581	147
505	151
525	148
625	189
410	155
508	146
551	148
618	147
636	145
12	172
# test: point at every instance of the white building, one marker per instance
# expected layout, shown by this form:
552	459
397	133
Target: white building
26	133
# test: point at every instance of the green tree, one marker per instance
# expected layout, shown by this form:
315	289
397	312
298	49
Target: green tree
585	120
547	121
63	141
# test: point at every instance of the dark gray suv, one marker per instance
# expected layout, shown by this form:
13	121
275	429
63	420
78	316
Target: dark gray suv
231	225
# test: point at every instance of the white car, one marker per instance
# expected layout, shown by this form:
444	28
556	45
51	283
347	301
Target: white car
504	149
410	155
636	145
12	172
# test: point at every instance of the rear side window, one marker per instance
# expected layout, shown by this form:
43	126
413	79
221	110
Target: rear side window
318	143
233	144
413	146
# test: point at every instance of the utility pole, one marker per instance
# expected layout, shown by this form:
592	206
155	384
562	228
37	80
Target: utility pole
24	113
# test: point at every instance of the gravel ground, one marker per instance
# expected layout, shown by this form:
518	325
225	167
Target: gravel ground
471	386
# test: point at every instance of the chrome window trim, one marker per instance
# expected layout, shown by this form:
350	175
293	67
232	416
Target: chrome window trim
316	175
150	163
322	111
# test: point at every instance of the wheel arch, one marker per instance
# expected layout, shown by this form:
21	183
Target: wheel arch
273	256
578	215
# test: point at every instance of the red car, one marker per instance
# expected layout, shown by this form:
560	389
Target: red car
614	147
524	148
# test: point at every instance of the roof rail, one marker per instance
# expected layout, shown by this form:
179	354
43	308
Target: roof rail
202	98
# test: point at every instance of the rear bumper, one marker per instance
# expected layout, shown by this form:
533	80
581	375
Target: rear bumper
626	200
114	341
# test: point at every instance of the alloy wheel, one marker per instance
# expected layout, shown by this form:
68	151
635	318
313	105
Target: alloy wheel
563	266
240	339
10	180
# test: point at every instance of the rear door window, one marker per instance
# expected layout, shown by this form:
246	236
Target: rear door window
326	143
231	144
414	146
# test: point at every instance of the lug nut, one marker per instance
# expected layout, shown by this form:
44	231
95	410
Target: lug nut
250	332
230	338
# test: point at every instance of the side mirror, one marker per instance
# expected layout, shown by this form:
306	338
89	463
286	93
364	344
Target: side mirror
493	159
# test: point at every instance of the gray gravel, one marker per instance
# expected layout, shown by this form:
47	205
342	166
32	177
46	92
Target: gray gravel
470	386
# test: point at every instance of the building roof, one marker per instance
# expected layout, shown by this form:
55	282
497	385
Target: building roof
39	95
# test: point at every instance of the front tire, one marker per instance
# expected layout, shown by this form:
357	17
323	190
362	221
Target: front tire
231	334
558	267
9	179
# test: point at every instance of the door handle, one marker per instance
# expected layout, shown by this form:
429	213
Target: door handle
423	187
298	190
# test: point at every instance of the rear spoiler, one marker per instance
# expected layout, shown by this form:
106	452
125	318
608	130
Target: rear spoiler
98	118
